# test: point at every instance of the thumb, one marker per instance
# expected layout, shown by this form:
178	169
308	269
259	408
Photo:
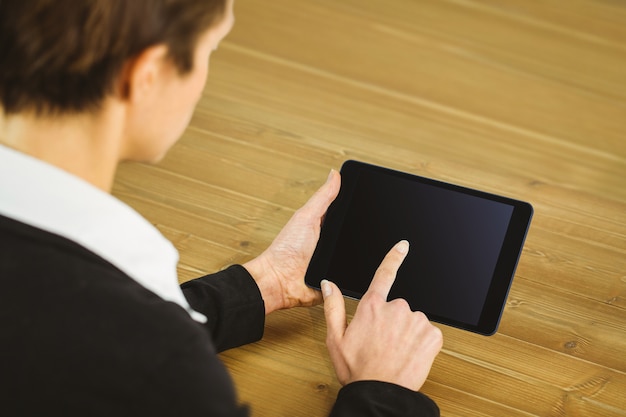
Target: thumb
334	311
326	194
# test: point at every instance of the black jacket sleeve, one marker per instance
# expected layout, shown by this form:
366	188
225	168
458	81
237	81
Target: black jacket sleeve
232	303
381	399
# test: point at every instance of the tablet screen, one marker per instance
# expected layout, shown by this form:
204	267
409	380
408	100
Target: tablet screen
464	243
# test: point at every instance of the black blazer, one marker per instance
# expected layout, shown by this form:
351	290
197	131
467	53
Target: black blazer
78	337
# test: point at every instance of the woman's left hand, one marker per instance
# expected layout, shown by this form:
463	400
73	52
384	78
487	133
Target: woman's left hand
279	271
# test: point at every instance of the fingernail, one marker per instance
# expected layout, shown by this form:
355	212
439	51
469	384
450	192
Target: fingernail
330	175
327	290
402	246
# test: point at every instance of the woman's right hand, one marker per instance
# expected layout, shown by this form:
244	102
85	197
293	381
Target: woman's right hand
385	341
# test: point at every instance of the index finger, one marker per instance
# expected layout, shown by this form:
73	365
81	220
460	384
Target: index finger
385	275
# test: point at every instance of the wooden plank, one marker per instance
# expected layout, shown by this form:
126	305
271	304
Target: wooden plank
511	99
406	131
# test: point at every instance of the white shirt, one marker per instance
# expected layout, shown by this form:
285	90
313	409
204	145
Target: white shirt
46	197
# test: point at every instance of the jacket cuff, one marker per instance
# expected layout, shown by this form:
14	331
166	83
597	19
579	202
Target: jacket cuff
375	398
232	303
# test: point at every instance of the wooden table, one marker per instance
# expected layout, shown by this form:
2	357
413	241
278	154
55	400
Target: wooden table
521	98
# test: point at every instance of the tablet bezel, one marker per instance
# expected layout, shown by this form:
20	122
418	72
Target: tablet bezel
505	266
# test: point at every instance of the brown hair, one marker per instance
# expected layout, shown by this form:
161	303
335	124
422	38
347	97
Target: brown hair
63	56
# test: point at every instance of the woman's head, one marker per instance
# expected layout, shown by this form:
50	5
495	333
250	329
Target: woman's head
65	56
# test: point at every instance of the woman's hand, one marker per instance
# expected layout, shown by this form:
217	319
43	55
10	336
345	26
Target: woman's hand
279	271
385	341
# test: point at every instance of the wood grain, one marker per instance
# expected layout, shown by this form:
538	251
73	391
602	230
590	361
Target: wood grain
521	98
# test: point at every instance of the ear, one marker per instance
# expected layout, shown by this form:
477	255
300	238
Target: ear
141	75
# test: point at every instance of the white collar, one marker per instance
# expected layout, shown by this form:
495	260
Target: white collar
44	196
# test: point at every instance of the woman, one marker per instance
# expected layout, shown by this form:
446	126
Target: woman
93	321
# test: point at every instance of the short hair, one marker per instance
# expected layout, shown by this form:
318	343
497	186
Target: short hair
64	56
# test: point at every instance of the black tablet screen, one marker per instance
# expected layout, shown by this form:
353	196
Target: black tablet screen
455	241
456	238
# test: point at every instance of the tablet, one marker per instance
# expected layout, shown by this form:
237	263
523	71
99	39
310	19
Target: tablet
464	244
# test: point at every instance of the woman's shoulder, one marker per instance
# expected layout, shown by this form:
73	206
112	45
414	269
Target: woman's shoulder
60	289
